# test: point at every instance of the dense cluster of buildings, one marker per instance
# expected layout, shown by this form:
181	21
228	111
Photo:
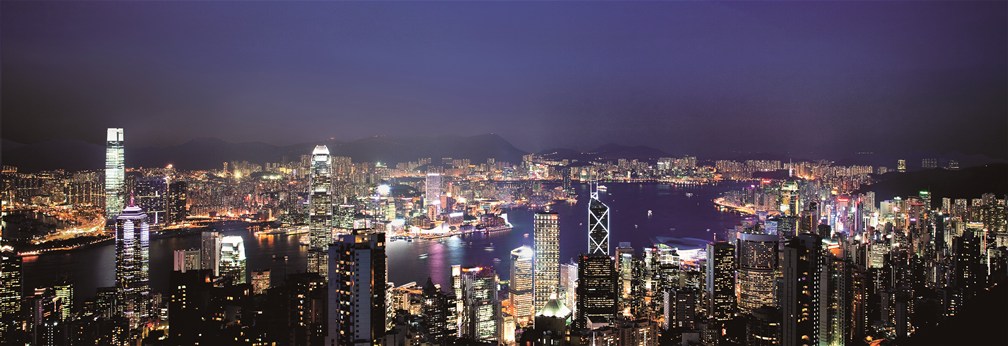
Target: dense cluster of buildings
815	263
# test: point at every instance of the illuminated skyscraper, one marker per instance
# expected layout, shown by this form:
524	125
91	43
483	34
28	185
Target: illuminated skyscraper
624	266
133	265
757	270
115	173
547	256
186	260
763	327
232	260
357	289
320	210
598	225
596	291
721	280
568	285
438	310
802	266
480	308
521	284
210	244
178	198
432	191
789	198
10	291
149	193
64	292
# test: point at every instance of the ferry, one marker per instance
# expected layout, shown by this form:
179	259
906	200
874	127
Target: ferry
602	188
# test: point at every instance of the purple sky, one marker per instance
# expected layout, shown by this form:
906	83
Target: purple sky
679	76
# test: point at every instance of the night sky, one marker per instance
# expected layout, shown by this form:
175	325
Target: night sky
682	76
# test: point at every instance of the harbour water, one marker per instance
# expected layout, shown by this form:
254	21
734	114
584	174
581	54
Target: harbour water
684	216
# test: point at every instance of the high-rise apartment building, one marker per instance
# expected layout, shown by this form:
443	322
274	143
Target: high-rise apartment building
432	191
357	289
803	264
10	291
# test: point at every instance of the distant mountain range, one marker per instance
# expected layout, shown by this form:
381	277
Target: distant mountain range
207	153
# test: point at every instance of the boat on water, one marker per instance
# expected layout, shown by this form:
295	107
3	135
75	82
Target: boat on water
649	213
423	255
602	188
304	240
689	194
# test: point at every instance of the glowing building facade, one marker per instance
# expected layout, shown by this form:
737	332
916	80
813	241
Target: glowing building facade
721	280
432	191
232	260
480	308
10	291
757	270
115	173
133	266
546	225
521	284
598	226
320	210
357	289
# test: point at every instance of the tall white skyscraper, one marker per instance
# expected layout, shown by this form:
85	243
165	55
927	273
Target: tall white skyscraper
546	226
432	190
115	173
232	260
320	211
133	266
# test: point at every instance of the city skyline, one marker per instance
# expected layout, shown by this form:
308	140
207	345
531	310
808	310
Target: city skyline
504	173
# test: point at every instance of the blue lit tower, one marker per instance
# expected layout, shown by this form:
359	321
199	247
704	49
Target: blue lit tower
320	211
598	225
